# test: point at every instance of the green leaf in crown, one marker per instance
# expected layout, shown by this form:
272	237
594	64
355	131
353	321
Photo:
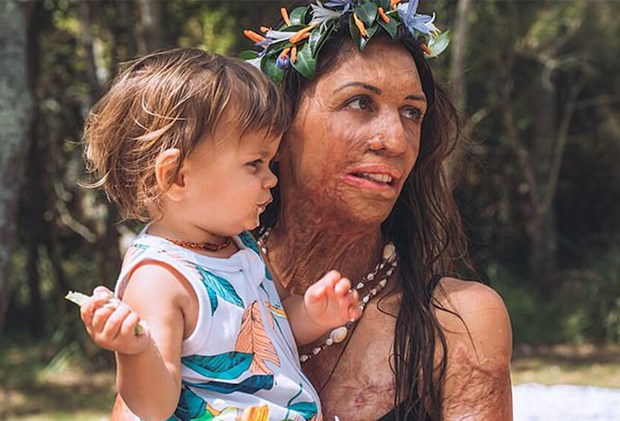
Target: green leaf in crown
297	43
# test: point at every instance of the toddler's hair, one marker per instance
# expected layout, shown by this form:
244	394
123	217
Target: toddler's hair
171	99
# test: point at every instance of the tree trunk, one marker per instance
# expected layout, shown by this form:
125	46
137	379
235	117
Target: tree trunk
150	33
458	48
15	116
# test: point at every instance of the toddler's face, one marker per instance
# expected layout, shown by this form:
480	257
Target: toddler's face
229	180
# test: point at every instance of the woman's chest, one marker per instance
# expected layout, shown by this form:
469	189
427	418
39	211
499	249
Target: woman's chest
355	378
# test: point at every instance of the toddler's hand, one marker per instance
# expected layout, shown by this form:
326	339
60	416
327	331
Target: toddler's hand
112	325
330	302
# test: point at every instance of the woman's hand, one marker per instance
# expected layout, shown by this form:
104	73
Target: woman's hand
330	302
112	324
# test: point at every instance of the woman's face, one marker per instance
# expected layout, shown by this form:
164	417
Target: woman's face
356	135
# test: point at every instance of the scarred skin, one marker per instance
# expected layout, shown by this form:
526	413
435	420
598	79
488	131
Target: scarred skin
365	113
340	227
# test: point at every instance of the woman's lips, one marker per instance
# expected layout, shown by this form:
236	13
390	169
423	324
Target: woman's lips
379	177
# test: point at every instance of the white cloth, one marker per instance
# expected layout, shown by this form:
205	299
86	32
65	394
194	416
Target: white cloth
241	356
537	402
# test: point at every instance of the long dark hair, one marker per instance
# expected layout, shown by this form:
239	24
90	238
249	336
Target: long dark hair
425	227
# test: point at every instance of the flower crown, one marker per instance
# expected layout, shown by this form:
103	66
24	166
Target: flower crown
298	41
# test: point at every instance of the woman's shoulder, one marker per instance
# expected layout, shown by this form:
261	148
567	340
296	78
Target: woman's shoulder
477	329
474	315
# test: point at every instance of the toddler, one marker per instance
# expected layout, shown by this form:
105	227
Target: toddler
183	140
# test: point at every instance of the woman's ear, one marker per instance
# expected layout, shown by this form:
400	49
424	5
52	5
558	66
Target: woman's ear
169	182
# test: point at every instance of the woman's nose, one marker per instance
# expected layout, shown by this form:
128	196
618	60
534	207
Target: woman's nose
389	137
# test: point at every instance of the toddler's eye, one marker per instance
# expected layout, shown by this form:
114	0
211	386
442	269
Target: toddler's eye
256	163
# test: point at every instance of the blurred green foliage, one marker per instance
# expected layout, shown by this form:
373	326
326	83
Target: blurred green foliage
527	56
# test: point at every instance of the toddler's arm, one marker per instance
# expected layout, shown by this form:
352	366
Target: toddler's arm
327	304
148	364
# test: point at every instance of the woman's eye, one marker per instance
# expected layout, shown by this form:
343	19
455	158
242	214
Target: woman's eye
413	113
360	103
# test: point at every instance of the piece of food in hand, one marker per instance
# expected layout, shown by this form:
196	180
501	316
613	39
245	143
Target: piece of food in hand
79	299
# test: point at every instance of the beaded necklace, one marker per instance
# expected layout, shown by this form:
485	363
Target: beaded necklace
389	261
201	246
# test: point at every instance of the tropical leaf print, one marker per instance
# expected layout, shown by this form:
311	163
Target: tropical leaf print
190	406
256	413
133	252
250	385
268	274
253	339
308	410
249	241
218	287
228	365
276	310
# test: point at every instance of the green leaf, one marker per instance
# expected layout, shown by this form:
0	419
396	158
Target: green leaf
385	4
355	33
319	37
298	16
268	65
439	43
367	13
391	27
369	33
248	55
305	63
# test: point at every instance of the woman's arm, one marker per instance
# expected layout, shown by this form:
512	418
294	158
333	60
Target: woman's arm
477	384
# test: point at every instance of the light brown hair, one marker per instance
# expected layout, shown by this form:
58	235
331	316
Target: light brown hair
170	99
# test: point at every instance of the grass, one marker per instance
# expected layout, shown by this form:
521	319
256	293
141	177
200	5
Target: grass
37	386
563	364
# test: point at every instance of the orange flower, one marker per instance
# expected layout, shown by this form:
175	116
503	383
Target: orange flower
393	3
383	16
294	54
285	52
302	34
426	50
264	29
285	16
360	25
253	36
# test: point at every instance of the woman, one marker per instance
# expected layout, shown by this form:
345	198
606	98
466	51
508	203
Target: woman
361	181
360	167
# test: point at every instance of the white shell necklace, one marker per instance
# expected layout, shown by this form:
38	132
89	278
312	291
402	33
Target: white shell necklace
389	261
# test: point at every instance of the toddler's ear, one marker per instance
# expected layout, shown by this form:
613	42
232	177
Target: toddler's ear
165	166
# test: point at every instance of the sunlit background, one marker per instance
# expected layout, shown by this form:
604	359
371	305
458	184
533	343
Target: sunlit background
538	183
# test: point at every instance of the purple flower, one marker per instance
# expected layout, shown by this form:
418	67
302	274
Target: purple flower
283	62
416	22
347	4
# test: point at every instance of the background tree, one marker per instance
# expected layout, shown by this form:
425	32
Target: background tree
540	188
15	116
